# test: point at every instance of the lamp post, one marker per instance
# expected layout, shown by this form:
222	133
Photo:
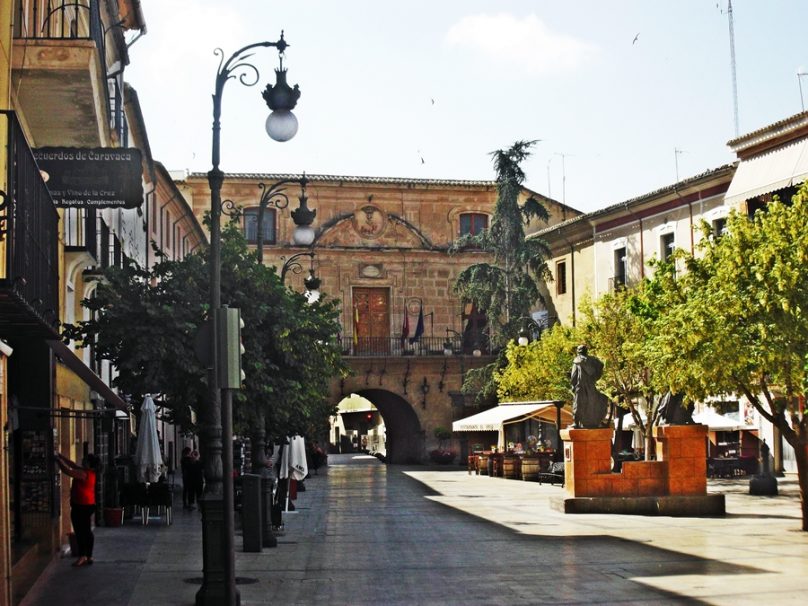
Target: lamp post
274	195
529	331
219	583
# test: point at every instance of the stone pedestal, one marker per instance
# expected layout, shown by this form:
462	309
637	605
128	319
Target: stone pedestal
684	449
675	484
587	460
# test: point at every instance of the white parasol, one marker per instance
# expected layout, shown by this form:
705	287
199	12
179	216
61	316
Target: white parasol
148	458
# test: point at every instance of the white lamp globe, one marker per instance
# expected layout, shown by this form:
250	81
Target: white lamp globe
312	296
523	341
304	235
281	125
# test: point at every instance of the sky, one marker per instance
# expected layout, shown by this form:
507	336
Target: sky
623	96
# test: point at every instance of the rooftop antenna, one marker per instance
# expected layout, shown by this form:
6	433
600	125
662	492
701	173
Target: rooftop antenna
563	176
799	81
676	152
732	63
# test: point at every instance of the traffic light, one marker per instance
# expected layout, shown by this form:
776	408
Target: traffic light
369	417
231	348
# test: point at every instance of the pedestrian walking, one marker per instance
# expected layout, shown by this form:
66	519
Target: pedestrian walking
82	503
186	462
197	476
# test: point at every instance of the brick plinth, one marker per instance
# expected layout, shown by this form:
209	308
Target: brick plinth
684	449
680	468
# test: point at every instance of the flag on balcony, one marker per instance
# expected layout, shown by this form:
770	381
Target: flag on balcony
419	328
355	325
405	327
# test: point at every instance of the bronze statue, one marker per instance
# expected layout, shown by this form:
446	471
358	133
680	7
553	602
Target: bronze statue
588	404
672	410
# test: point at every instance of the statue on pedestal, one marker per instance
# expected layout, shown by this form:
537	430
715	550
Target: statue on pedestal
672	410
589	406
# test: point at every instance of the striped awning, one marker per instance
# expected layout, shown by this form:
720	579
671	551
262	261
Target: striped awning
768	172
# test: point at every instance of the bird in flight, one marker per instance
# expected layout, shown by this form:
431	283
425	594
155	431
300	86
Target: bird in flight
637	37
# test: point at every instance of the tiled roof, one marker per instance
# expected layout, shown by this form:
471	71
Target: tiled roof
768	131
644	197
355	179
359	179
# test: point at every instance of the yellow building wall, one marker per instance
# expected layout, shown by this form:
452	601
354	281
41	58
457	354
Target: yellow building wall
5	529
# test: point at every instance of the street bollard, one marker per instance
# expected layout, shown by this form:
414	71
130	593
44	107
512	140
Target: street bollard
251	512
269	539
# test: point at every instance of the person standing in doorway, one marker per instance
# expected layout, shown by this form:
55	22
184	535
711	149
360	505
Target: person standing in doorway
82	503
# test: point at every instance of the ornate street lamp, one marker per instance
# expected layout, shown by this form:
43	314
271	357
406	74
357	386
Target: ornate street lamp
218	584
530	330
275	196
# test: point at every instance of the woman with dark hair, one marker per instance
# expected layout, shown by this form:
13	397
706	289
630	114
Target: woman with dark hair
82	503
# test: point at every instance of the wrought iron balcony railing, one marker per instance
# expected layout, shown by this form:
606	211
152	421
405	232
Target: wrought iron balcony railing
29	223
395	346
81	231
74	20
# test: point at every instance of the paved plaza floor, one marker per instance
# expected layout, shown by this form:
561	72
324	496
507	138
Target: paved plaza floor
370	534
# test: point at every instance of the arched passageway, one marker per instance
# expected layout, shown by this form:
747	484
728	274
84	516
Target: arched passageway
405	438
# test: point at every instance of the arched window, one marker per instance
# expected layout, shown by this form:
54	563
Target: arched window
251	225
473	223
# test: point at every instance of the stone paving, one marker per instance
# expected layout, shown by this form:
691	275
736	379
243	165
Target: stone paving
369	534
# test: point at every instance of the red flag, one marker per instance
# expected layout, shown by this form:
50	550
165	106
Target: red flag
405	327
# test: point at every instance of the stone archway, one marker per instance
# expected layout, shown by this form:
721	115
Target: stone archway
405	438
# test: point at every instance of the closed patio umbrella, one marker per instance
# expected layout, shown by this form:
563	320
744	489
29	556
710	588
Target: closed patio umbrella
148	459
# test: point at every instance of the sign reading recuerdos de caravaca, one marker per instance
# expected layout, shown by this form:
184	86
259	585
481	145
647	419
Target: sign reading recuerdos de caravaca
92	177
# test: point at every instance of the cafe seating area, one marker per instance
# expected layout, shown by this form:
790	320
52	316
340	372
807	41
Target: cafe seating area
536	467
143	500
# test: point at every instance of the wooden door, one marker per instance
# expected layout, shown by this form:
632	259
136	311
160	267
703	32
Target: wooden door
371	320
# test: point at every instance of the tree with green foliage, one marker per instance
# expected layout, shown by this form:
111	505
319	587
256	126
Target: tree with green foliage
737	322
145	322
506	288
618	326
539	370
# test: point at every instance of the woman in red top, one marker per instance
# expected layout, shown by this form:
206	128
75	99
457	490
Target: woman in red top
82	503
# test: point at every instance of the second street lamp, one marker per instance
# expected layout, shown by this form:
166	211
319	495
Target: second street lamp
218	573
275	195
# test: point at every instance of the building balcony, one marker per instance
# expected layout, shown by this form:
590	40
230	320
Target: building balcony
29	223
59	70
81	228
381	347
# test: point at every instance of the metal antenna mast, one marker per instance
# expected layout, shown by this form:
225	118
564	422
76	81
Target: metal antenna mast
732	62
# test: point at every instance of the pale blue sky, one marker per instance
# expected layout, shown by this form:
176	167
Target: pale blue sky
564	72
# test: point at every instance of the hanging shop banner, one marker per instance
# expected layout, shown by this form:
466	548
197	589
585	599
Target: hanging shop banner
92	178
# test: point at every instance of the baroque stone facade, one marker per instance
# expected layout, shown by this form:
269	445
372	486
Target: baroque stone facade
381	248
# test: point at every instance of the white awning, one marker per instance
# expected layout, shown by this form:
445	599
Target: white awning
769	172
709	417
506	413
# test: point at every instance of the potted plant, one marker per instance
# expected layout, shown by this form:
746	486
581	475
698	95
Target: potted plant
442	454
113	511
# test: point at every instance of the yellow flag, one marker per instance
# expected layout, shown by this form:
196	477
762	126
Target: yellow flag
356	325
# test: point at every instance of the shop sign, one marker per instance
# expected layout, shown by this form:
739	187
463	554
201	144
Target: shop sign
92	177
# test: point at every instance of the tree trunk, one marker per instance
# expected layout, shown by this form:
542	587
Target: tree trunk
649	443
258	444
801	455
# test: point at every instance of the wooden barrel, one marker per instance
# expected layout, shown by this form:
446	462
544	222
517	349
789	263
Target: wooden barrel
510	467
530	468
482	464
